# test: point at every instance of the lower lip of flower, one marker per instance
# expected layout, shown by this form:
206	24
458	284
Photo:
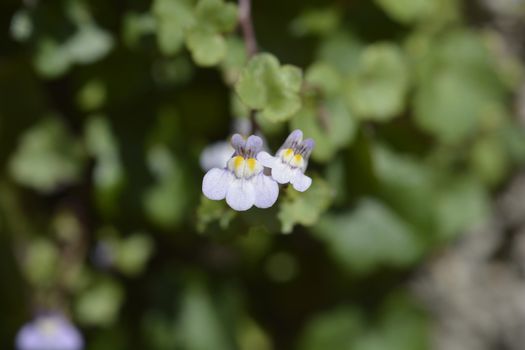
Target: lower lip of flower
295	160
244	168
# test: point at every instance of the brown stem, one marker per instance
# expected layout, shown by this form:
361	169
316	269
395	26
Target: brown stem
323	115
245	21
250	41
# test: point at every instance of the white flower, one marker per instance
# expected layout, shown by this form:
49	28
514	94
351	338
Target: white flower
242	182
216	155
51	331
290	161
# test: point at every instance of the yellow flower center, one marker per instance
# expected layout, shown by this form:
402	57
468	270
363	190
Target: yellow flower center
288	156
244	168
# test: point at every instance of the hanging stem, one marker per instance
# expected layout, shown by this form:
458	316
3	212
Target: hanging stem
250	41
245	21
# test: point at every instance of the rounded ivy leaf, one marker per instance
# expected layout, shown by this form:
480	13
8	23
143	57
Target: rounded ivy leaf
99	305
368	237
173	19
133	253
216	15
47	157
330	123
305	208
51	59
407	11
269	87
89	44
458	87
378	91
324	77
41	263
207	48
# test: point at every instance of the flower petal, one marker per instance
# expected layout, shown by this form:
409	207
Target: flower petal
240	195
293	139
216	183
300	181
282	173
253	146
266	159
266	191
216	155
238	143
306	148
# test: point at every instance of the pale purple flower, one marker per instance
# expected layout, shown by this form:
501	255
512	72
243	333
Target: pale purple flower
290	161
242	181
216	155
49	332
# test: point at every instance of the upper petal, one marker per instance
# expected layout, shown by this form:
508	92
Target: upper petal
238	143
216	155
266	159
282	173
293	139
300	181
306	148
266	191
253	145
216	183
240	195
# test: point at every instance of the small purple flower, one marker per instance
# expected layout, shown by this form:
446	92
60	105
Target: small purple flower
49	332
216	155
290	161
242	181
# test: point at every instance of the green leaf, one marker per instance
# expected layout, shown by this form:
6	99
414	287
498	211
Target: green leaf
199	324
207	48
133	253
408	184
342	52
173	19
464	204
426	13
99	305
336	329
21	27
51	60
210	211
330	123
269	87
489	160
368	237
402	326
305	208
216	15
165	202
407	11
47	157
324	77
378	90
136	25
89	44
514	140
92	95
458	87
40	263
252	336
449	106
108	172
234	60
323	21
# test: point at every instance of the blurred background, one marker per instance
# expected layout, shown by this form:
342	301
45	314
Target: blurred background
412	235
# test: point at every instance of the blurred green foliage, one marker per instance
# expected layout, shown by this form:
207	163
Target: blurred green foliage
105	108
